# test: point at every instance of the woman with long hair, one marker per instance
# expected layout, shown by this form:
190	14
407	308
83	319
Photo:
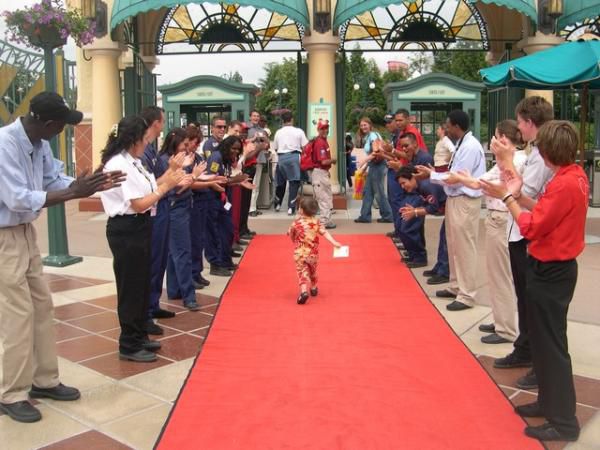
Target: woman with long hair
377	168
129	233
179	262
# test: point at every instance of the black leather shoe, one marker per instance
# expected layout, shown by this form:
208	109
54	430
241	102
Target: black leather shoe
457	306
61	393
243	242
487	328
254	213
416	264
529	410
21	411
152	328
359	220
314	291
445	293
233	267
493	339
220	271
247	237
429	273
237	247
163	314
203	281
390	234
302	298
139	356
510	361
197	286
437	279
151	346
528	381
547	432
235	254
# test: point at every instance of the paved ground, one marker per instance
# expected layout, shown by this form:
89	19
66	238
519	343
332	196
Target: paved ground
125	405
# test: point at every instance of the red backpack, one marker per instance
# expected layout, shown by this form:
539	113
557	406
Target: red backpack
307	159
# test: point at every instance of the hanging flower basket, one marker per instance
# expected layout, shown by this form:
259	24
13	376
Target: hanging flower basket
44	36
48	24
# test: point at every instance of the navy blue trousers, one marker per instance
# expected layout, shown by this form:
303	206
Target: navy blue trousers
160	253
179	264
412	232
396	196
219	234
442	266
198	224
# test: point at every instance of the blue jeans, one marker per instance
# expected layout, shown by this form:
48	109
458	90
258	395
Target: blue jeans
288	169
219	234
442	266
412	231
396	196
160	252
374	188
179	265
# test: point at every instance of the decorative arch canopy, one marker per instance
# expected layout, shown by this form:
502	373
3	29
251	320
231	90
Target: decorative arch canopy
222	27
417	25
578	11
345	10
296	10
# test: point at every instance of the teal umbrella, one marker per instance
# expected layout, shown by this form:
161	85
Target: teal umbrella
572	65
569	65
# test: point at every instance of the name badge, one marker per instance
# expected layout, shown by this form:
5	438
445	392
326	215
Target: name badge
153	211
214	167
227	206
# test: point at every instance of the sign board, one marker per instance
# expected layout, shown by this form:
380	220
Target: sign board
205	94
437	92
316	112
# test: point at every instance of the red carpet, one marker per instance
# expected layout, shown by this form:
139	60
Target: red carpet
368	364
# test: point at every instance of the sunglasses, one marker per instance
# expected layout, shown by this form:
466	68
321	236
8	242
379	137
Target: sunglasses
261	141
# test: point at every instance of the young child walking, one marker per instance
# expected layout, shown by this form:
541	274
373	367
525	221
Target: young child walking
305	232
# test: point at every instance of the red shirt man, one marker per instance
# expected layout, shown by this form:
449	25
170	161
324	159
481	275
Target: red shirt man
322	154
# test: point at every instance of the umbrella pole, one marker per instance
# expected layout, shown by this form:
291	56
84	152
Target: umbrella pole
582	125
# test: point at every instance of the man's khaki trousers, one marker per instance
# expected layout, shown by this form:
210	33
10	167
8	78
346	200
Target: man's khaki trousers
27	338
321	183
462	231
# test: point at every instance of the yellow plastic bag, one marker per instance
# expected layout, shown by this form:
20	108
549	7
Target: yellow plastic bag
359	184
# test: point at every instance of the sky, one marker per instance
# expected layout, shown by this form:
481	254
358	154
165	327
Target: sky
179	67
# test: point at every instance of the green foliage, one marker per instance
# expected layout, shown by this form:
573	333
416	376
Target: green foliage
461	62
394	77
234	76
419	64
278	76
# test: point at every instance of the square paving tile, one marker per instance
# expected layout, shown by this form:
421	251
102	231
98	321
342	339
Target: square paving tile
504	377
64	332
66	284
104	321
85	348
108	302
587	390
180	347
202	332
212	309
90	440
188	321
111	366
174	306
75	311
115	333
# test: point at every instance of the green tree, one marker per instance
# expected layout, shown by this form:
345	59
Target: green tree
393	76
234	76
278	76
419	64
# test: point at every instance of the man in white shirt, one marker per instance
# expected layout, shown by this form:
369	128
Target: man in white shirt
288	143
32	179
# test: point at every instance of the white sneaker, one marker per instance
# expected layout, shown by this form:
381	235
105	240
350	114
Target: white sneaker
277	208
290	212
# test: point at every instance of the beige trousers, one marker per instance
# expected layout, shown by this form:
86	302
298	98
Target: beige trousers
462	230
27	337
499	275
321	184
260	168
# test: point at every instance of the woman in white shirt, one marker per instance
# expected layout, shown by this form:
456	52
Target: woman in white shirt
129	232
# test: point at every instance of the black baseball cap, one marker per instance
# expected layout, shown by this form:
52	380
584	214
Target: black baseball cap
51	106
388	118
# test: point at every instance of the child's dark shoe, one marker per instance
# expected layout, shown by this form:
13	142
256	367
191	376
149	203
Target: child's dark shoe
314	291
302	298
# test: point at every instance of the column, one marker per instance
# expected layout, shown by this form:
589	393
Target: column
533	44
106	93
321	49
83	131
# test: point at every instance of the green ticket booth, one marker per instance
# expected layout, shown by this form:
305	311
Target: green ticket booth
431	97
199	99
